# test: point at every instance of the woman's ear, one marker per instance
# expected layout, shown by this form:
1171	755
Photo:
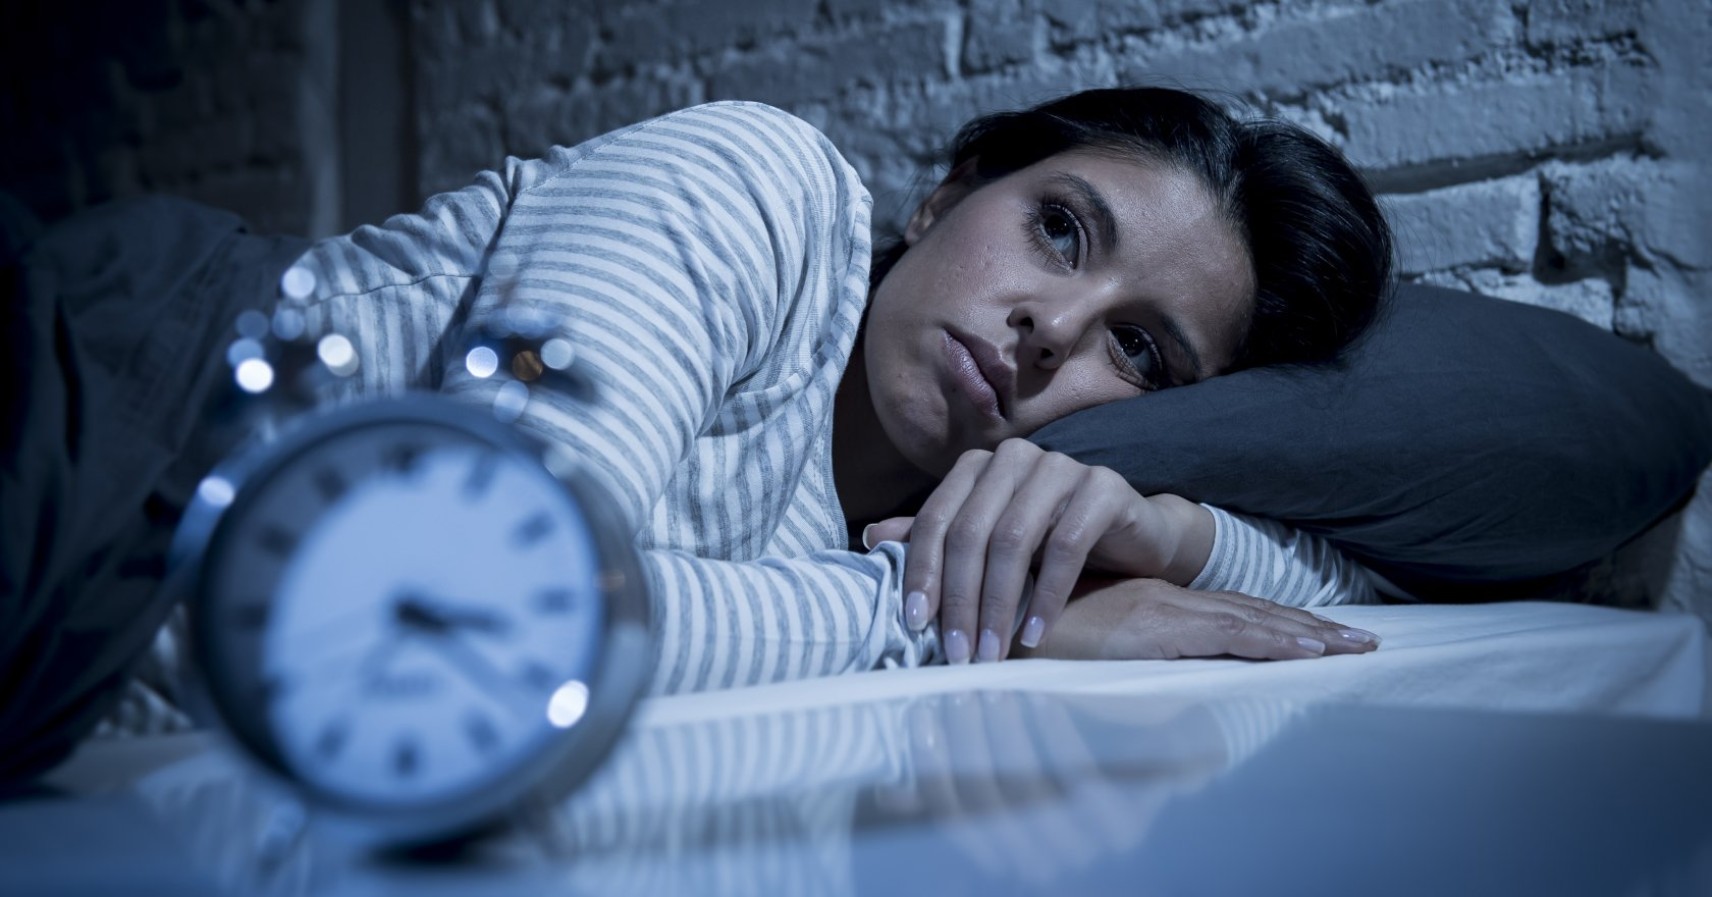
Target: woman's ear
958	184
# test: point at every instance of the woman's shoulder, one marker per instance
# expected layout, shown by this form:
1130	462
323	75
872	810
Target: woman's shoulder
738	136
742	118
751	111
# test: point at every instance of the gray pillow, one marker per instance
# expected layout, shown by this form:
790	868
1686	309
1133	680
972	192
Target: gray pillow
1465	440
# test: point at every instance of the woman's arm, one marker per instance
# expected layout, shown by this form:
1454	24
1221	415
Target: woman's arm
999	513
1276	561
691	258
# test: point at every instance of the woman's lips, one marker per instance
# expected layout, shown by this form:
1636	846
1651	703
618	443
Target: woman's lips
969	378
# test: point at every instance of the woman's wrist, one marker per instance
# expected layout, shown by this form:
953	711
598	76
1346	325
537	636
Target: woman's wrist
1194	529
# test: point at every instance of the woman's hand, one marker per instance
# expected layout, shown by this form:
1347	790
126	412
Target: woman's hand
975	538
1149	619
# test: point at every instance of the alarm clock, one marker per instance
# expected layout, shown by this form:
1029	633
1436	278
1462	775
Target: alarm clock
412	613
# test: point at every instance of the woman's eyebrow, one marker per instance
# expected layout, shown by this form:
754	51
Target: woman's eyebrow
1096	205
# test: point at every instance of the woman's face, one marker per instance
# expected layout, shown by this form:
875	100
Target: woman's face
1079	280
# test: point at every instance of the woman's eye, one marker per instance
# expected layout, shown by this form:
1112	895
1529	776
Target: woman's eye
1140	352
1058	230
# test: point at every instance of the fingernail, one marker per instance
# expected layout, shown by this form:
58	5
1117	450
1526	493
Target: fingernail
1032	631
1359	636
866	543
956	646
1312	644
988	650
915	610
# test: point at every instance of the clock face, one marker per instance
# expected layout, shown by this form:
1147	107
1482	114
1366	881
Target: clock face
412	611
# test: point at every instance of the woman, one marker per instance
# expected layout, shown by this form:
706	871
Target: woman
757	409
714	266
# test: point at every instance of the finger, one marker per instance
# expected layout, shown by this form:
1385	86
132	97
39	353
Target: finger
892	529
1211	631
1338	638
1344	639
1088	513
923	568
1044	486
967	543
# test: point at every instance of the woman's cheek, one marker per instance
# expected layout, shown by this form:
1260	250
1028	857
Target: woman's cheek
1079	390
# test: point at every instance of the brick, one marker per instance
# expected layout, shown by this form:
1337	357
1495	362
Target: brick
857	9
545	117
1688	577
649	34
1591	214
1096	19
465	142
1566	21
946	107
1667	308
433	31
789	74
272	200
632	101
525	16
1630	207
1297	55
1591	300
1000	33
1456	123
1488	224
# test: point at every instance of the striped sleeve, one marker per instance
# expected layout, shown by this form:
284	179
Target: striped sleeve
1275	561
675	251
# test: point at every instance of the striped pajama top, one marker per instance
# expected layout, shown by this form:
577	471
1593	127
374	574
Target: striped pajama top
712	268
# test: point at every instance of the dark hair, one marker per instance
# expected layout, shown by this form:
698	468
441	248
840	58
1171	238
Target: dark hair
1320	247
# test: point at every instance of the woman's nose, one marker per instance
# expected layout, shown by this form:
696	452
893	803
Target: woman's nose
1045	337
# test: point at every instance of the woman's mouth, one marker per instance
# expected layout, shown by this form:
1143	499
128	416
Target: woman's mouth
969	378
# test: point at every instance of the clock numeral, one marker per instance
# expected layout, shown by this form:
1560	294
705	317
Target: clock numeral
332	739
276	540
556	600
405	757
479	729
480	475
540	676
330	484
402	458
532	530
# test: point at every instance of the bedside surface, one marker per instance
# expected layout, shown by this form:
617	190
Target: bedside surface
973	793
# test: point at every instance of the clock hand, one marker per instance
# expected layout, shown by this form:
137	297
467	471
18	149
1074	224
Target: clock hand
422	613
478	667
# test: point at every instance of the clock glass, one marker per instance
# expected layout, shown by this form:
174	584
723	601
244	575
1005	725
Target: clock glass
411	609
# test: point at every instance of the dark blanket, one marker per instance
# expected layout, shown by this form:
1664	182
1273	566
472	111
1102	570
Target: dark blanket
114	329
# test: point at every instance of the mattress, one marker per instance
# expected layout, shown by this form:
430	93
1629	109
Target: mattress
1520	656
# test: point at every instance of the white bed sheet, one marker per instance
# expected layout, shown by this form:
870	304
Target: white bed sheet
1520	656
